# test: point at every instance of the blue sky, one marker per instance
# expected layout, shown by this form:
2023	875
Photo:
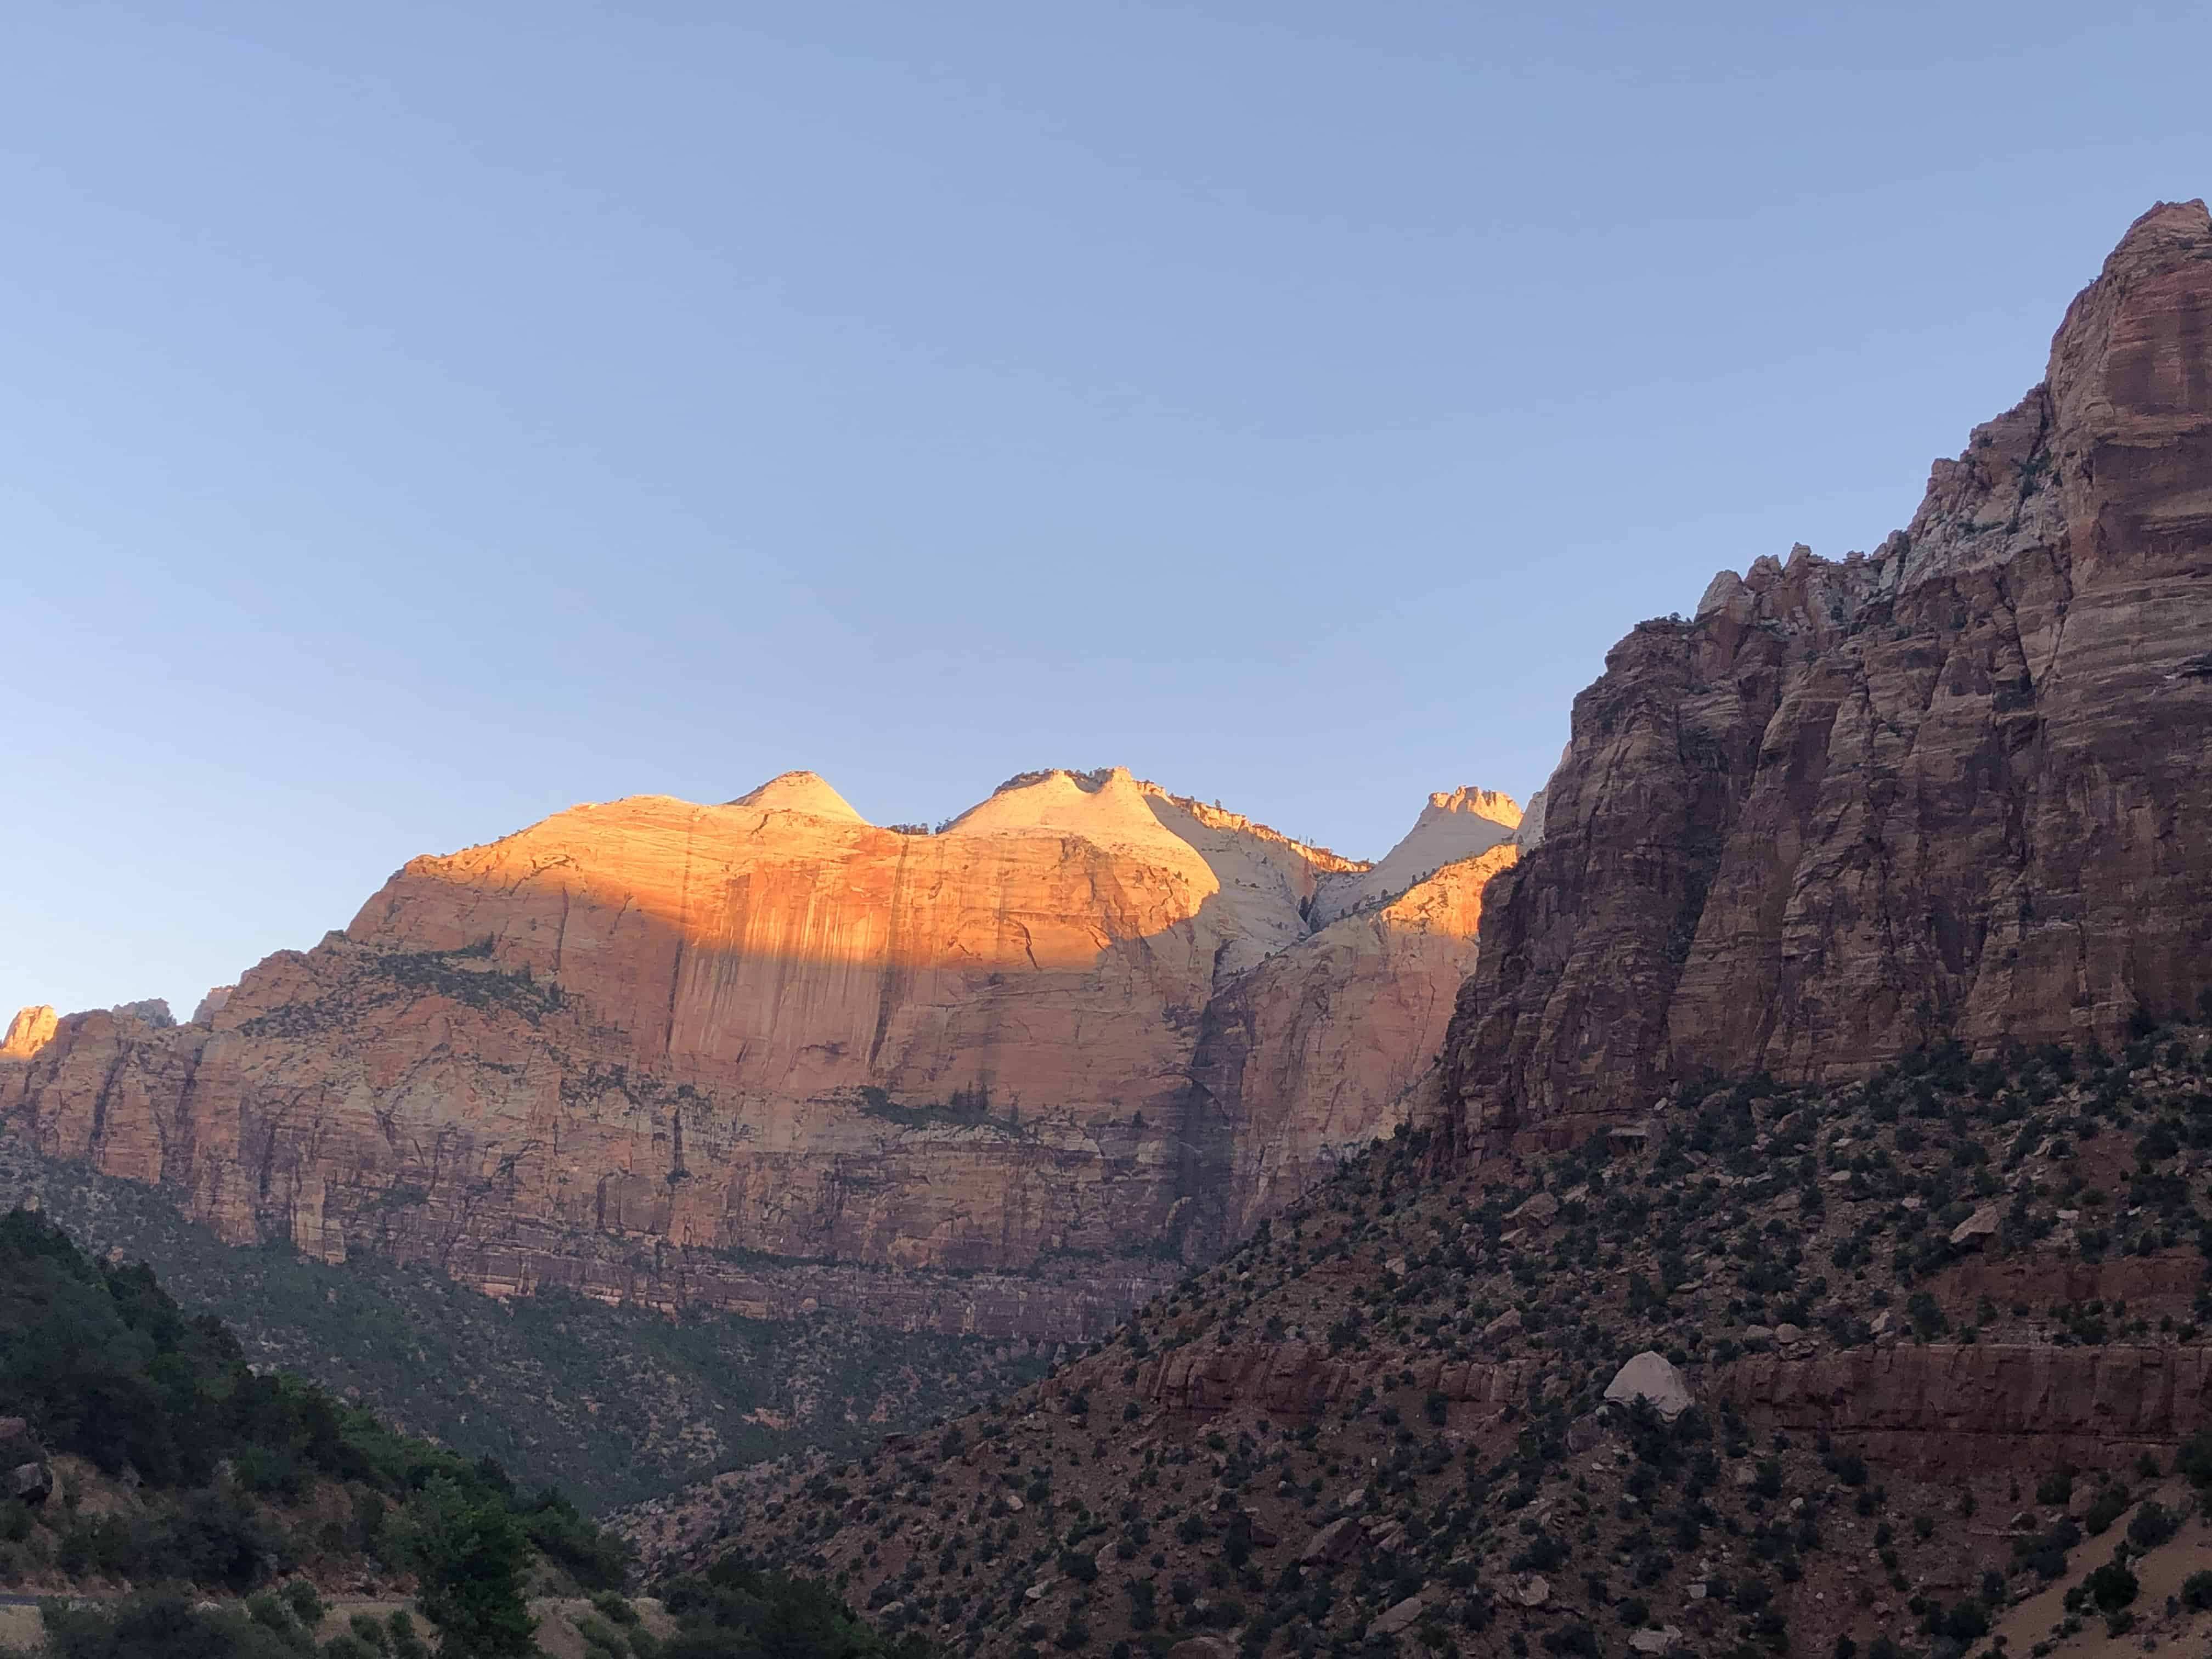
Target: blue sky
420	418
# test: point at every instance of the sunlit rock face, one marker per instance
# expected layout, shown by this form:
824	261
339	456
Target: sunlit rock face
31	1029
1956	788
752	1055
1456	825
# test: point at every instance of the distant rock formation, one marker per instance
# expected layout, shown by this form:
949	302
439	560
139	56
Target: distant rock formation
1451	826
748	1056
31	1029
212	1004
1956	788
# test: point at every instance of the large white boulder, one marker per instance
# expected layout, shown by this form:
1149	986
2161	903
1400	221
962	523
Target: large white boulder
1650	1376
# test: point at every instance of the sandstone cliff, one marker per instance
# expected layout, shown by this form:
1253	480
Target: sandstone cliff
29	1032
750	1055
1456	825
1957	787
1952	1290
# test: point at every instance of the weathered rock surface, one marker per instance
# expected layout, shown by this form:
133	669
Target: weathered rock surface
1397	1616
1981	1406
1451	826
1648	1376
749	1055
1956	788
1297	1377
31	1029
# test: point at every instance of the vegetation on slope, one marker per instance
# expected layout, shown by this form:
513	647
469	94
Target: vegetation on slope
613	1404
2050	1201
145	1450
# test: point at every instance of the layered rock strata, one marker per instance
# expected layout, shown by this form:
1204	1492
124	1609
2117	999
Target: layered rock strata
1955	789
750	1056
1964	1409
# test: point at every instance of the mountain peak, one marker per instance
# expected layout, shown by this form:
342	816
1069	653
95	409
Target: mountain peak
1468	801
31	1029
2169	232
801	792
1456	824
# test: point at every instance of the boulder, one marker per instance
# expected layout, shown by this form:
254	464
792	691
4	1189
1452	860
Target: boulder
1982	1225
1649	1375
1397	1617
1538	1211
1665	1640
32	1482
1333	1541
1533	1591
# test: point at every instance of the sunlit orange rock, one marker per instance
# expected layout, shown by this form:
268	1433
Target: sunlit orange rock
31	1029
753	1054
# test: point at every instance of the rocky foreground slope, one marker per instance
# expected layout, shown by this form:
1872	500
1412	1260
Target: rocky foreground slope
754	1056
1790	1265
1882	1361
1957	787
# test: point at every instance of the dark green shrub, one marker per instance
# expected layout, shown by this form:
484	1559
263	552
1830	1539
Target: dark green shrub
2111	1587
611	1605
2111	1502
2194	1459
2152	1525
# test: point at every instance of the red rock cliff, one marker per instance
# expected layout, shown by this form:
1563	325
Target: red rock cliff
750	1055
1955	788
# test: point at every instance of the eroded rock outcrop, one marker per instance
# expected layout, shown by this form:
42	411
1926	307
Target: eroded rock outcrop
1955	788
1460	825
750	1055
1990	1406
31	1029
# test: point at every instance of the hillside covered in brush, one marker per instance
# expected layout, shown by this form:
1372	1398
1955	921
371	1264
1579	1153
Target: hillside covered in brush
610	1403
141	1448
1912	1348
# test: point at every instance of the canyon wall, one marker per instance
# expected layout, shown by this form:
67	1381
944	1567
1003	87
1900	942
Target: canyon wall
751	1056
1957	788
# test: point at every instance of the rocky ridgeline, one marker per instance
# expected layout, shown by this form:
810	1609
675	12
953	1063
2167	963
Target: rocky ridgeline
1005	1079
1954	788
1868	1324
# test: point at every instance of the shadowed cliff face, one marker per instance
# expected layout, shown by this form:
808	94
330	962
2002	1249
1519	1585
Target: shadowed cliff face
749	1055
1955	788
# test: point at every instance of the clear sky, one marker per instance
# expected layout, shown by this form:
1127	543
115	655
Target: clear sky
418	418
